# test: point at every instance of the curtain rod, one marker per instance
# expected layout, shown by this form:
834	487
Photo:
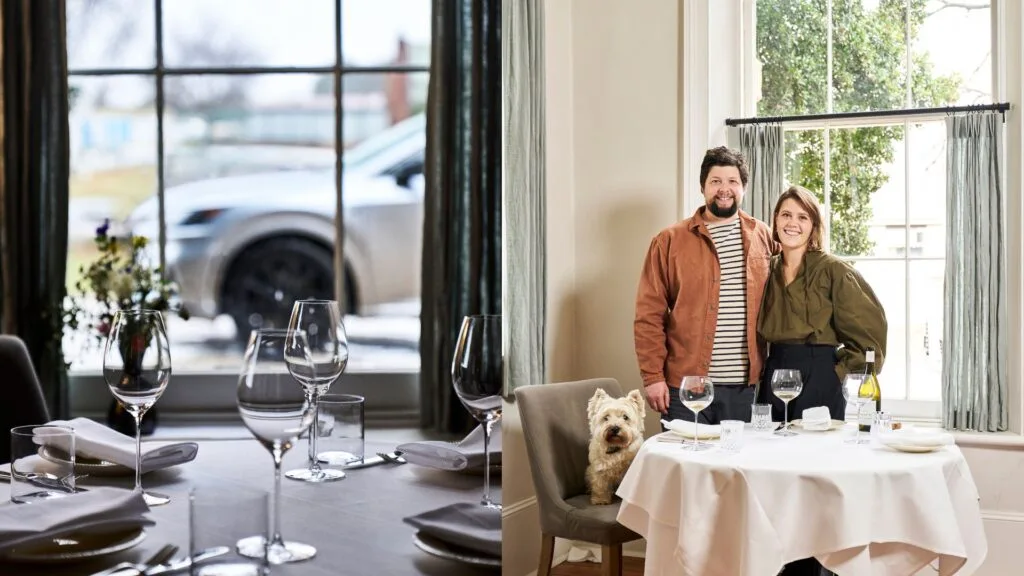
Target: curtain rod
1000	107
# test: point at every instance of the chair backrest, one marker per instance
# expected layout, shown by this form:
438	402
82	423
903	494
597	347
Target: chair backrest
557	433
23	401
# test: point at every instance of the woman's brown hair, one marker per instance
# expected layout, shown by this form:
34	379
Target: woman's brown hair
803	197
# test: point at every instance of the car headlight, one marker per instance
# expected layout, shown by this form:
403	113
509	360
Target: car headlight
202	217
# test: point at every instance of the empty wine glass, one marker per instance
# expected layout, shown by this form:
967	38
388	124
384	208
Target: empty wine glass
321	320
787	384
855	391
696	393
137	367
276	412
477	378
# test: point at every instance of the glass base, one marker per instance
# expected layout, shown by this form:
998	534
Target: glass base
322	475
337	458
277	553
488	503
155	499
855	440
698	447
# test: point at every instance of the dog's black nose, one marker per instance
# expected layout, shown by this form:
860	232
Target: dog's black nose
614	429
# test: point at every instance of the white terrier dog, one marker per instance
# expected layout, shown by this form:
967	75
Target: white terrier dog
616	434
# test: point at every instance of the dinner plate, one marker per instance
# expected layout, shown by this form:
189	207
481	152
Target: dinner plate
85	464
684	429
76	546
799	424
443	549
911	448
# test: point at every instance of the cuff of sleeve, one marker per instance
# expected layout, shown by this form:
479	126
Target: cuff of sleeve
653	379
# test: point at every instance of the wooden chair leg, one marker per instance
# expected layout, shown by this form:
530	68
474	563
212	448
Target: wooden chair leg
547	554
611	560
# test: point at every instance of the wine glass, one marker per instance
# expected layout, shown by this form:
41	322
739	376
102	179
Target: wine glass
321	320
696	393
136	367
276	412
787	384
855	391
477	378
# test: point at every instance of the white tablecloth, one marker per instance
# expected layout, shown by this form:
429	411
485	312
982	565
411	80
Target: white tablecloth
859	509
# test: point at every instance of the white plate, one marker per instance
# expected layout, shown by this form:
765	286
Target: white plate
799	425
75	547
85	464
442	549
684	429
913	449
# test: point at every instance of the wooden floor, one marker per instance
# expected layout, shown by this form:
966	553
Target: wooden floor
630	567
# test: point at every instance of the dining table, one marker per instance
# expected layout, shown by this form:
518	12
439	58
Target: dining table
860	509
356	524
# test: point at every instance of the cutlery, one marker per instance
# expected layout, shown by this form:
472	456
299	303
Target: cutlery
365	463
162	555
186	562
46	481
392	457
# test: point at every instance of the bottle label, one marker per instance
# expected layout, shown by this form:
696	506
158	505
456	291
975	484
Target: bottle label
869	356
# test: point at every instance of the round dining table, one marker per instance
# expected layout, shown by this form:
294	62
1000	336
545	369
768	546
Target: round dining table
860	509
356	523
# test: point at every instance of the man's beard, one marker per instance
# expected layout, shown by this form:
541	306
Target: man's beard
728	212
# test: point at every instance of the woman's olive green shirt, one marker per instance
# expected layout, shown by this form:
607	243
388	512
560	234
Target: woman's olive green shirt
828	302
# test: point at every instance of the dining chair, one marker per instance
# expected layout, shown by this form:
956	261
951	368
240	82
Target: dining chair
23	401
557	433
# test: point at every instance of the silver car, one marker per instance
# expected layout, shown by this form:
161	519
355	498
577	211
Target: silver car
250	245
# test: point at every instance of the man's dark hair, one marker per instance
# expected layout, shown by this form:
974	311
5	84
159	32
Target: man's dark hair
723	156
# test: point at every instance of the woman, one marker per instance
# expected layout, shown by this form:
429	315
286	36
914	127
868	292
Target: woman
813	303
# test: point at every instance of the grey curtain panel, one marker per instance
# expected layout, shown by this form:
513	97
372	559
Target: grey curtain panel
763	146
34	186
522	55
462	202
974	347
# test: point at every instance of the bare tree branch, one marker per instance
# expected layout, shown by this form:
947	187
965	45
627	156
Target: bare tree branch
962	5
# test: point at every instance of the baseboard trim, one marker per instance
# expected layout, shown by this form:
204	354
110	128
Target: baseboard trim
1002	516
518	507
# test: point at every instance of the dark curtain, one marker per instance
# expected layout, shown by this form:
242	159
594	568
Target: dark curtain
34	186
462	205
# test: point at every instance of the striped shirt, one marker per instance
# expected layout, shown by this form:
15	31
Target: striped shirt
730	360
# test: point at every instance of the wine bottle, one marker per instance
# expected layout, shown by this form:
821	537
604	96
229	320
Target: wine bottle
869	387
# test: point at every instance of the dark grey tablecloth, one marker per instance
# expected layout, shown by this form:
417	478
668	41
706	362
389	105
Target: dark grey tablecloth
356	523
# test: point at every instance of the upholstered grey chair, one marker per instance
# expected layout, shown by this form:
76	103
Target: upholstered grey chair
23	401
554	419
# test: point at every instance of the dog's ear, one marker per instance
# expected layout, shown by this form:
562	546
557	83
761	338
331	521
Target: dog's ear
595	402
638	400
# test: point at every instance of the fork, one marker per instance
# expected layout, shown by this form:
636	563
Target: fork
162	555
392	457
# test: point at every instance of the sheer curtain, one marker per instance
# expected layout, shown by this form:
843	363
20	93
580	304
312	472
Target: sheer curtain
974	347
34	186
763	147
524	193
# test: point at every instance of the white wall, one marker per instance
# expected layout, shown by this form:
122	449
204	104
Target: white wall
624	144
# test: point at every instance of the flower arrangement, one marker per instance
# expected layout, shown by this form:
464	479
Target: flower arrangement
121	278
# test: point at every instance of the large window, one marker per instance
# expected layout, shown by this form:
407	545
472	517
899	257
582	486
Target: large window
212	127
880	179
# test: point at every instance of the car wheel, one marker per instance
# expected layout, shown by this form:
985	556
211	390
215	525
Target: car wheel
266	279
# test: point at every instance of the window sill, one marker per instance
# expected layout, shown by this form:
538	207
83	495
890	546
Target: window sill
1005	440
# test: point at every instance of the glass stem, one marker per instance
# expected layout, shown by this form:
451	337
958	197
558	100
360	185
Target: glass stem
487	463
696	429
314	463
785	415
857	437
138	449
276	538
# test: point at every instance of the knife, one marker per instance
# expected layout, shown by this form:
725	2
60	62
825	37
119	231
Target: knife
178	566
365	463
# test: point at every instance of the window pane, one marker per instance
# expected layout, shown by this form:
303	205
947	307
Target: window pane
805	160
925	338
112	125
888	280
867	194
869	54
958	72
791	47
382	32
231	33
928	190
385	138
110	34
249	205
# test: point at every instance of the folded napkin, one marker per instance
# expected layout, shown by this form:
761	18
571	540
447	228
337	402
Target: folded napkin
917	437
98	441
467	454
817	418
463	524
685	429
100	510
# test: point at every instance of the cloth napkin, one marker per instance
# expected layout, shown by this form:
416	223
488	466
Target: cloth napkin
917	437
467	454
463	524
102	509
817	418
98	441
